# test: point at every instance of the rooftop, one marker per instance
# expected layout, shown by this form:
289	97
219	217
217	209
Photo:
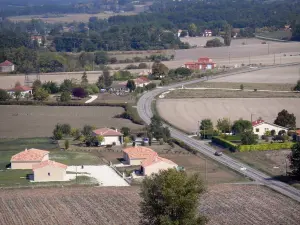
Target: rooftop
139	152
6	63
29	155
49	163
21	88
257	122
156	159
107	132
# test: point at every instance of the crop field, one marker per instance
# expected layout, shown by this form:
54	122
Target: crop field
187	112
279	75
222	204
68	18
39	121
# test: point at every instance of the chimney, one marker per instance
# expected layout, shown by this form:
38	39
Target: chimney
116	130
25	149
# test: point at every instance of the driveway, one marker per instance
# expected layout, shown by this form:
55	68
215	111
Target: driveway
93	98
105	175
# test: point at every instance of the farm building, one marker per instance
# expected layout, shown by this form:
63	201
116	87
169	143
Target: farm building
148	159
23	89
207	33
139	82
155	164
204	63
49	171
260	127
38	39
136	155
7	66
111	137
27	158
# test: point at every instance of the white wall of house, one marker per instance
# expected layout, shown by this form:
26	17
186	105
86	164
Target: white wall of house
262	128
156	167
7	68
109	140
50	173
23	93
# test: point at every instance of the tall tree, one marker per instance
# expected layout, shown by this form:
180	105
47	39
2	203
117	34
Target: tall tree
192	29
224	125
131	85
248	138
17	95
297	87
108	80
40	94
227	35
4	95
295	160
206	124
84	80
171	197
159	69
285	119
241	125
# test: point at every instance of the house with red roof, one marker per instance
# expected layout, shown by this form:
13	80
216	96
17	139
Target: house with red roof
203	63
148	159
260	127
139	81
48	170
7	67
28	158
111	136
207	33
23	90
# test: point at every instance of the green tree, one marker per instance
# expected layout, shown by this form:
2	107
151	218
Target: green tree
4	96
67	144
131	85
295	161
242	87
224	125
84	80
108	80
227	35
214	43
100	139
297	87
67	85
40	94
27	96
65	96
51	87
126	141
36	85
125	131
183	71
57	134
248	138
75	133
65	128
241	125
157	129
192	29
206	124
17	95
285	119
101	58
159	70
171	197
87	130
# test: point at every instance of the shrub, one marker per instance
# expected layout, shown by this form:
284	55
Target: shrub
214	43
79	92
65	96
4	95
131	67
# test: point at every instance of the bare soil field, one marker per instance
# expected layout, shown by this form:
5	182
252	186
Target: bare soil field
215	93
68	18
251	86
187	112
280	75
222	204
39	121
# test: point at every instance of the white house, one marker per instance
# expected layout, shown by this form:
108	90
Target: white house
28	158
207	33
111	137
7	66
49	171
260	127
23	89
156	164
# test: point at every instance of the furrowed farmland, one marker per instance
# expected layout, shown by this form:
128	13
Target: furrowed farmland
222	204
39	121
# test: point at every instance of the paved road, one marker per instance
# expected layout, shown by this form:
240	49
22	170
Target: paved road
145	112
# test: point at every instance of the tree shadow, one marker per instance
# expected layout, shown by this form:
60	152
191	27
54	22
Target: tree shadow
8	166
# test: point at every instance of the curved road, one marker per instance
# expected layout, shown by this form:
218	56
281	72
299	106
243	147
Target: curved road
145	111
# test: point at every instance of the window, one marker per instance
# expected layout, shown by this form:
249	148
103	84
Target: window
48	174
257	130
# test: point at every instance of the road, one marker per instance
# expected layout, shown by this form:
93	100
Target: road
145	111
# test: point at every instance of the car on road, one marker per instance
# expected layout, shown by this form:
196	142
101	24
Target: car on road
217	153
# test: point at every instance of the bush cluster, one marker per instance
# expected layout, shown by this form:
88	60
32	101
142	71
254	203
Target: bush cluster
265	147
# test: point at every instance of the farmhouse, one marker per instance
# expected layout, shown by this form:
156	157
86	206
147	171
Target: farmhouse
155	164
49	171
111	137
203	63
136	155
260	127
23	89
38	39
207	33
27	158
7	66
139	82
148	159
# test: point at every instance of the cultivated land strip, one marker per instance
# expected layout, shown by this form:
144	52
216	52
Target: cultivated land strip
145	112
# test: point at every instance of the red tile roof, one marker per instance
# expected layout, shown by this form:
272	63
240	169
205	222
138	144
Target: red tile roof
6	63
139	152
257	122
298	132
21	88
156	159
107	132
30	155
49	163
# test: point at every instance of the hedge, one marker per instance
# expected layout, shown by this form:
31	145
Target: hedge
224	143
184	145
265	147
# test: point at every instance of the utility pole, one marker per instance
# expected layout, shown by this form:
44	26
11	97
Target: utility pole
268	48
